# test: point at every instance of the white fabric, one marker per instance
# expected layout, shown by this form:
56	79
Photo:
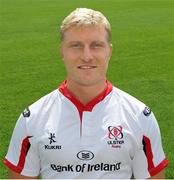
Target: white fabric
115	152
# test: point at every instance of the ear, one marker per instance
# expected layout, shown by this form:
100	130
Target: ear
110	52
61	50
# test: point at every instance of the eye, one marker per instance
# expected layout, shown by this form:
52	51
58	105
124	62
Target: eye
96	45
76	45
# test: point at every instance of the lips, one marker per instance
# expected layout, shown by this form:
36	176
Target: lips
86	67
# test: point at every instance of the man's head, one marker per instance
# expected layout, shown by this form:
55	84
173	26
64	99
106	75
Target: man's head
83	17
86	46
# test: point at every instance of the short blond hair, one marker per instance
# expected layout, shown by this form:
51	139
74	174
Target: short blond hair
85	17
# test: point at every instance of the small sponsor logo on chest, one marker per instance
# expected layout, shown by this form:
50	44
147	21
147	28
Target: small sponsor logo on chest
53	147
115	135
85	155
52	141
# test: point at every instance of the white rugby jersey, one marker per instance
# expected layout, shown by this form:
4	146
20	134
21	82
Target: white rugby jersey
113	136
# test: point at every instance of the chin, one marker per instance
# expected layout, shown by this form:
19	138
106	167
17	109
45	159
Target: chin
87	82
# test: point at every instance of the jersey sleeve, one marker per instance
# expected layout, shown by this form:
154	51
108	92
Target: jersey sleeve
152	154
22	157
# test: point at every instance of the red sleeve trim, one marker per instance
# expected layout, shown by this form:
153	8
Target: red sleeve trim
24	150
148	152
159	168
11	166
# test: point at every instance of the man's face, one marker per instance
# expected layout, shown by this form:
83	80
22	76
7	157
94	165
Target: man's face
86	53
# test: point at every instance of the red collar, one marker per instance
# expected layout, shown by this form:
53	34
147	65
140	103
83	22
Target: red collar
88	107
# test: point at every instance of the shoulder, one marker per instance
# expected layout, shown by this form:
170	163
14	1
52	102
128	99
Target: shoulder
134	108
131	103
36	114
45	101
140	112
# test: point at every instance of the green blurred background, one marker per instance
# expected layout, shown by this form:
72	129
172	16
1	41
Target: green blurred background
142	63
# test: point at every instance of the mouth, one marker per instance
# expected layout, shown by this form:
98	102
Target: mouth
86	67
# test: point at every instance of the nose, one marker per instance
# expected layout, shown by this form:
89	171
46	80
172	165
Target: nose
86	54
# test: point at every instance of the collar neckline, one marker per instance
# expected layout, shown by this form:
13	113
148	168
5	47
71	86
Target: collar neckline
89	106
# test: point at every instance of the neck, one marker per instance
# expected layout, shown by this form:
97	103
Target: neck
85	93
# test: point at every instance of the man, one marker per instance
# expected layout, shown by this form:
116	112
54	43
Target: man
87	128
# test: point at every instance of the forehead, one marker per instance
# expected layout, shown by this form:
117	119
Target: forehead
85	33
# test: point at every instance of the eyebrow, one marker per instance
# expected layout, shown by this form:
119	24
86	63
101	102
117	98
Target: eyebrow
95	41
72	42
